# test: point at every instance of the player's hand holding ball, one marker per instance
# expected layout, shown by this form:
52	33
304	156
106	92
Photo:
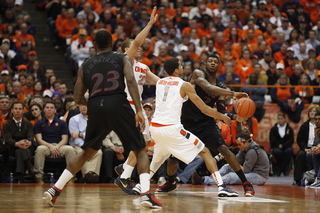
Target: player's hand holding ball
226	120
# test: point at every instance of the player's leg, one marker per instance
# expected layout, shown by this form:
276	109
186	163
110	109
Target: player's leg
234	164
213	168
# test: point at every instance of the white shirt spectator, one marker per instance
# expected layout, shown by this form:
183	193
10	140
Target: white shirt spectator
195	12
82	13
285	32
314	43
80	53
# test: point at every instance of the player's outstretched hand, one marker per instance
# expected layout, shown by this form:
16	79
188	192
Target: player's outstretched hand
239	95
140	119
154	16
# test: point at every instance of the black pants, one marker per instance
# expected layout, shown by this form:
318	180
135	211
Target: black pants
109	161
283	157
302	163
21	156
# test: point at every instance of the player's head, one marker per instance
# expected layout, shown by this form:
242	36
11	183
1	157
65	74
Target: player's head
212	63
243	139
173	67
103	40
127	44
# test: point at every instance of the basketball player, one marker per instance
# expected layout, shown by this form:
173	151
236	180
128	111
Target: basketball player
204	126
108	109
141	73
167	130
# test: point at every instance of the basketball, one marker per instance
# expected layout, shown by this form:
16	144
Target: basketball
245	107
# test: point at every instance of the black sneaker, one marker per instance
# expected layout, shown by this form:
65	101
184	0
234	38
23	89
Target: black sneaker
51	195
125	185
147	200
119	169
167	187
225	191
196	179
248	189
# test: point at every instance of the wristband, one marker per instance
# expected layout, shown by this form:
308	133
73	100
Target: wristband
79	135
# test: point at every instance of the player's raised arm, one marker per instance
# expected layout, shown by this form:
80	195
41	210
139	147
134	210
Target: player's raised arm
80	89
133	90
187	89
138	41
152	78
198	78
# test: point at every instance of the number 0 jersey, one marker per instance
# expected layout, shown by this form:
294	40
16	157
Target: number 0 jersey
168	101
139	71
103	74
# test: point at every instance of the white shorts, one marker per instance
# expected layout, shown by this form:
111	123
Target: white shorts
177	141
146	131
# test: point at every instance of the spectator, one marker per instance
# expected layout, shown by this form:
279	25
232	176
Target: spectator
311	55
302	52
68	25
128	23
240	12
80	47
256	93
285	98
3	65
113	154
199	11
316	153
87	9
52	136
266	60
28	88
285	29
63	91
230	78
17	89
35	99
24	36
5	78
36	111
171	47
273	77
311	70
305	140
77	128
254	161
37	89
5	105
303	91
21	57
312	39
281	140
36	68
282	54
19	140
276	46
297	72
9	88
164	41
7	53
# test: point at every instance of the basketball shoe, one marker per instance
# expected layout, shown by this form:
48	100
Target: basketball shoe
225	191
248	189
51	195
125	185
167	187
137	189
147	200
119	169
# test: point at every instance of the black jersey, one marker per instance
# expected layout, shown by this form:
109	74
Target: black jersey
191	113
103	74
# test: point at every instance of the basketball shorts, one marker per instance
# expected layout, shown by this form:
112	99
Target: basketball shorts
177	141
107	113
146	131
208	132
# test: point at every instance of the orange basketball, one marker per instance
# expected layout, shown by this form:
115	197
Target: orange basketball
245	107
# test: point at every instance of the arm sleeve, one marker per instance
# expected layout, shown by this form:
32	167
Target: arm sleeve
289	138
8	135
273	94
241	157
272	137
301	139
64	128
37	128
30	135
250	160
74	127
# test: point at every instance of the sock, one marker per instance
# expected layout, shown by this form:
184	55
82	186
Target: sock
217	177
127	172
63	179
241	176
144	182
125	164
171	178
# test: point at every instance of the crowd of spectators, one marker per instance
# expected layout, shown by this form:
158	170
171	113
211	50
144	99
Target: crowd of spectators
262	43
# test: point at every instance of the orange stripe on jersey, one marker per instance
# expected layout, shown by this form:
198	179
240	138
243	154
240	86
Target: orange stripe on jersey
196	142
131	102
159	125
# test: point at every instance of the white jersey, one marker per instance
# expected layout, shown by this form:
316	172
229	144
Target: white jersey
139	71
168	101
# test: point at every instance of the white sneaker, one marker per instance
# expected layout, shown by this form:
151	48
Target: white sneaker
137	189
161	181
316	183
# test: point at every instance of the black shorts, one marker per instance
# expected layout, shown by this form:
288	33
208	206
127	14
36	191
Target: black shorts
208	132
107	113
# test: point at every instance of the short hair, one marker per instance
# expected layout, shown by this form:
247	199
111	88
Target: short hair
281	114
244	135
126	44
170	65
17	102
5	96
37	96
213	56
50	102
103	39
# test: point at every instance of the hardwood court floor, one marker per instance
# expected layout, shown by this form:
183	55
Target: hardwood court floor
96	198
